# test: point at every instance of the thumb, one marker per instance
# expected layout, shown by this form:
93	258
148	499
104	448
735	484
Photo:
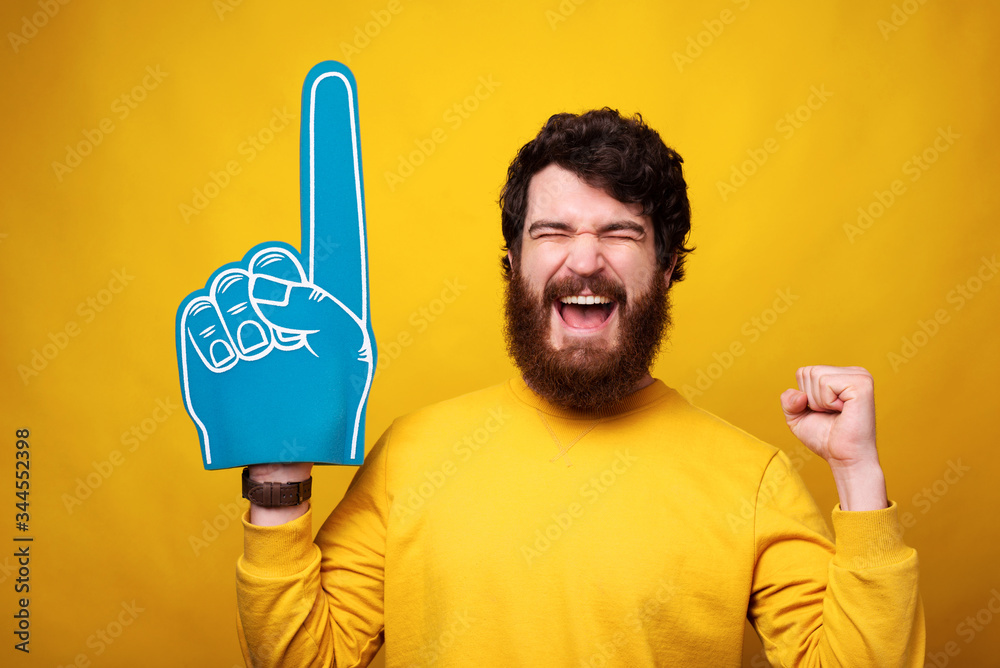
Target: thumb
283	296
793	404
308	316
293	307
301	313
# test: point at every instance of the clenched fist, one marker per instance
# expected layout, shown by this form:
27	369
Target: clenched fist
833	414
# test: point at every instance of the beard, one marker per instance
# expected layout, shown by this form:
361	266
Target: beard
584	375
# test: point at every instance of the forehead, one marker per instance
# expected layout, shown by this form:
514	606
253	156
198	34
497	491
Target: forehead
557	194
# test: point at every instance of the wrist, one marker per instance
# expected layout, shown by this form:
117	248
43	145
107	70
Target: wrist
861	486
277	474
288	472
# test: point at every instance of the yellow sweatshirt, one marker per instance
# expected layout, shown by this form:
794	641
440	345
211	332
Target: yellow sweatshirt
495	529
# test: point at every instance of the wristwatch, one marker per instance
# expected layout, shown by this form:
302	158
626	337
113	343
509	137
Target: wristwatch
275	494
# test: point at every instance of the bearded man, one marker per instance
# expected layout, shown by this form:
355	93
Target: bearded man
585	514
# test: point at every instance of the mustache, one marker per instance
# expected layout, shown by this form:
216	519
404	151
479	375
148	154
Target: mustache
598	285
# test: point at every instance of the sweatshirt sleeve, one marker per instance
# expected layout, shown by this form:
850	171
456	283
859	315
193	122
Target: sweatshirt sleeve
815	603
305	603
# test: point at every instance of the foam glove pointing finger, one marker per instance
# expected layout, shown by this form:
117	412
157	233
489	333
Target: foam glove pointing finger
276	354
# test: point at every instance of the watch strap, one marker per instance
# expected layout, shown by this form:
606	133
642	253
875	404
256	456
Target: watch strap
275	494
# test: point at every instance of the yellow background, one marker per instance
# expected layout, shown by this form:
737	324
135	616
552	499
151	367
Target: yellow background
888	89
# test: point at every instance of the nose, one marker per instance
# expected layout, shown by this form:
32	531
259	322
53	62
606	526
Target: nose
585	256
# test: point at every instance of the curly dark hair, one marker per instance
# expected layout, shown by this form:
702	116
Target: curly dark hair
624	157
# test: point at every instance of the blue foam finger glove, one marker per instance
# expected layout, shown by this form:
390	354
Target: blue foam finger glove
276	354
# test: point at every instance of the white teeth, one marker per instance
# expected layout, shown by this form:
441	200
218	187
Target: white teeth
585	299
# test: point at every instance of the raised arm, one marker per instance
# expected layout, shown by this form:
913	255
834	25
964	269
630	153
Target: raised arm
276	356
305	603
815	603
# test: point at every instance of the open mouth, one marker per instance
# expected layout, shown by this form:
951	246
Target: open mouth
585	312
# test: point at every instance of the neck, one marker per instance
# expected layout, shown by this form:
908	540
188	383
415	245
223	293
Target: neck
643	383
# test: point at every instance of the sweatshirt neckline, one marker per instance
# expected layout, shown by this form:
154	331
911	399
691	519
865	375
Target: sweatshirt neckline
633	402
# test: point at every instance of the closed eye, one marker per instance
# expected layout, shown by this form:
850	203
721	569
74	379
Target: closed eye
618	231
625	230
623	236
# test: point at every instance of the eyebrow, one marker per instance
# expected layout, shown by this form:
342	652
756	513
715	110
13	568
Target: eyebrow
613	226
619	225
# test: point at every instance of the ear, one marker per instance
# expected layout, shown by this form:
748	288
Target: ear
669	271
510	259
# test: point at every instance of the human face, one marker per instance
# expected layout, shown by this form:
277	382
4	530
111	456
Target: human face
579	238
